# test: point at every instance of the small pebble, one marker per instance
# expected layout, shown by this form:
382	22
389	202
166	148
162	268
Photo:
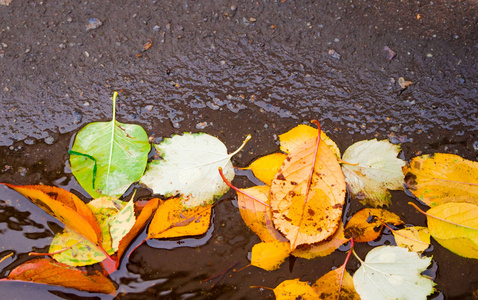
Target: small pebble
77	117
475	145
23	171
93	23
334	54
86	103
156	28
389	53
49	140
149	107
404	83
429	55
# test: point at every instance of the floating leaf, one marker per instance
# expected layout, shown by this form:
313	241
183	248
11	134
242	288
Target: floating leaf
308	193
366	225
329	285
172	220
455	227
390	272
256	215
442	178
297	135
294	289
415	238
189	167
64	206
265	168
323	248
269	256
107	157
47	271
378	171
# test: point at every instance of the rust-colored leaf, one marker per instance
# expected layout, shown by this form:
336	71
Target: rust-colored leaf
256	215
172	220
64	206
367	224
308	193
47	271
335	281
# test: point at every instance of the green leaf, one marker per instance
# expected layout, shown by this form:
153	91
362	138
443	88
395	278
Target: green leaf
378	171
107	157
391	272
189	166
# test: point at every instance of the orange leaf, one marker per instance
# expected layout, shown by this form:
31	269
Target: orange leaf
366	225
171	220
64	206
308	193
329	285
256	215
47	271
323	248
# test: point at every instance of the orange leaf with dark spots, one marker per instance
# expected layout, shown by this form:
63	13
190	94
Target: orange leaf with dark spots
308	193
367	224
48	271
64	206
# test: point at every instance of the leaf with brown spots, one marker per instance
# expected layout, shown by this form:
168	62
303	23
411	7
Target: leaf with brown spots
367	224
64	206
308	193
48	271
334	282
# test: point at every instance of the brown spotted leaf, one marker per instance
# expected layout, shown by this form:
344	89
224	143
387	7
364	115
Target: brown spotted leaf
367	224
329	285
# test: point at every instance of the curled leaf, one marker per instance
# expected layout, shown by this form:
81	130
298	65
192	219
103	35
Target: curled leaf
441	178
367	224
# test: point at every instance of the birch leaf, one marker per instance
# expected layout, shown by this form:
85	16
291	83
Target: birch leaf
391	272
107	157
269	256
189	166
378	171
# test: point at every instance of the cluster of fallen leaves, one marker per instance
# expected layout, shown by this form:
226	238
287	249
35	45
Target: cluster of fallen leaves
298	211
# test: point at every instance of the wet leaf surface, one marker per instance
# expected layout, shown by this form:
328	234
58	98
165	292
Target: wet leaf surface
366	225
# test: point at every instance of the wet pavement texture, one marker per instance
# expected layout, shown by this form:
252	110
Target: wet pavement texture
229	69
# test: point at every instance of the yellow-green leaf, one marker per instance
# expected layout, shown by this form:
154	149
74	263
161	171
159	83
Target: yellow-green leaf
442	178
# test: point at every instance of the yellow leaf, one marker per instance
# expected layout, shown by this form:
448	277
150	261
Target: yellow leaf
329	285
455	227
257	216
269	256
415	238
171	220
323	248
366	225
297	135
266	167
308	193
442	178
295	289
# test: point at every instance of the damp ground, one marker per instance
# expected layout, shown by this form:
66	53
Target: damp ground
229	69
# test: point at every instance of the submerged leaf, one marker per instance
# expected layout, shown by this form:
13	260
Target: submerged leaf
47	271
329	285
378	171
269	256
295	289
172	220
442	178
367	224
265	168
455	227
189	167
107	157
415	238
390	272
308	193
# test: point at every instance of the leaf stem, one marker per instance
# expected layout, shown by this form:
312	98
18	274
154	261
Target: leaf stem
438	218
53	253
248	137
238	190
343	267
347	163
113	120
6	256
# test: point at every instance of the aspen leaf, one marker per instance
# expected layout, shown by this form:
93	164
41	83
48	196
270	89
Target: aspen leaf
455	227
323	248
366	225
295	289
189	167
269	256
47	271
256	215
329	285
416	239
265	168
173	220
308	193
297	135
107	157
378	171
441	178
390	272
64	206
